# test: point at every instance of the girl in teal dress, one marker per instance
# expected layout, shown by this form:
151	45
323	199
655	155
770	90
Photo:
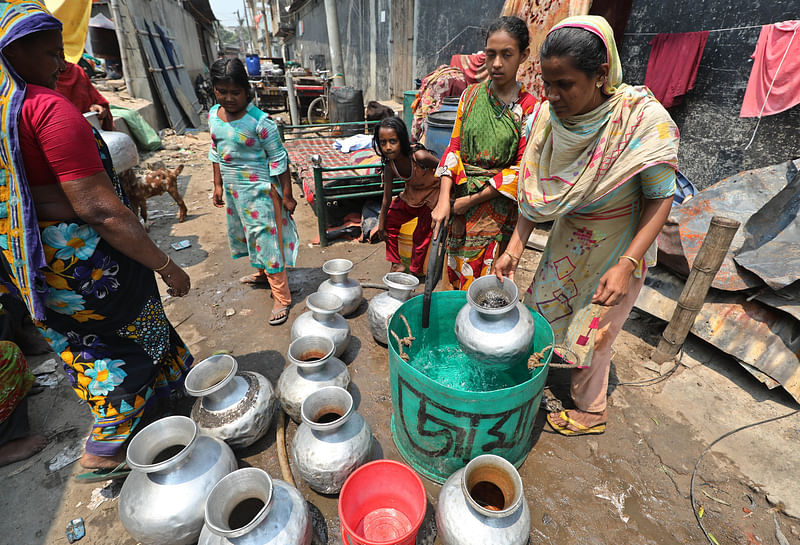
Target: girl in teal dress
251	175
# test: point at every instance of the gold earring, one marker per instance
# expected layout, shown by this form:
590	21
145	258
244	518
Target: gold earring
599	84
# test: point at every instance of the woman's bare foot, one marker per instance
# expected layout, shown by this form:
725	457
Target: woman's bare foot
589	420
397	267
19	449
92	461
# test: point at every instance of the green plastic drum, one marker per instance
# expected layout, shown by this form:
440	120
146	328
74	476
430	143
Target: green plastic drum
438	429
408	99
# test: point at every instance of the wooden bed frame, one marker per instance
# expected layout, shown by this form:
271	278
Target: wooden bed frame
329	187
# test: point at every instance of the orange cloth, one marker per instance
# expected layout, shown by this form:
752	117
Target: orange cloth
279	284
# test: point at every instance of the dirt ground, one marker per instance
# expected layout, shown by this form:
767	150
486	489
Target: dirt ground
630	485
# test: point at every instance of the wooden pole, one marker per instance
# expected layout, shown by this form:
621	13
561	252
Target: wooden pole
705	267
266	28
249	28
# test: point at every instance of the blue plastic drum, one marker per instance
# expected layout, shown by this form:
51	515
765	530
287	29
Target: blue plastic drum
440	127
253	66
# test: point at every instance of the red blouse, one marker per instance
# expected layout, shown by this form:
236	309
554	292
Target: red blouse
56	140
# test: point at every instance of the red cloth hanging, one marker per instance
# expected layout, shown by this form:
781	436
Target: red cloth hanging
673	64
777	42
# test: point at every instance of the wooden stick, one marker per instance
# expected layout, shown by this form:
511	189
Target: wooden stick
280	443
705	267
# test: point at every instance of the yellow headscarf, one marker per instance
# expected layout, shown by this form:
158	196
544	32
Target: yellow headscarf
599	26
564	169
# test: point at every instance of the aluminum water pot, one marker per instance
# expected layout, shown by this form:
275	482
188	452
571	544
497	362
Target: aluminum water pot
248	507
382	306
494	327
323	320
123	150
338	283
312	366
332	442
237	408
483	503
174	467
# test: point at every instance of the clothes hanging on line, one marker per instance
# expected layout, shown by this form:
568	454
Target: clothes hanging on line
473	66
673	64
540	17
774	84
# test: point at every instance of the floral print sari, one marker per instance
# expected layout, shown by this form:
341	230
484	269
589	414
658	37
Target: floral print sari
105	319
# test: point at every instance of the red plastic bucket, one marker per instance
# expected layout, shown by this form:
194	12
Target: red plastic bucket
382	503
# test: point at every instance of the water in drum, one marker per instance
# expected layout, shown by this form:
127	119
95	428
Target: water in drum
451	367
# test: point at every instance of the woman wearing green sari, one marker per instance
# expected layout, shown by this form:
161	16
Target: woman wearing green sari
480	165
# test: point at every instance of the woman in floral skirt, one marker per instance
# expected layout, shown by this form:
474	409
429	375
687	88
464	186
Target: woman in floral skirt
72	249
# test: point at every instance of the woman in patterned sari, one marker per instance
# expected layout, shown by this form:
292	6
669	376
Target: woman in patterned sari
480	164
76	254
600	161
16	379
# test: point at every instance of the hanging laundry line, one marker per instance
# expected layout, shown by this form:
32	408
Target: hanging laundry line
714	30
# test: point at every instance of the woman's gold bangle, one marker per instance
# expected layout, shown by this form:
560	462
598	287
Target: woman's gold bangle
631	259
512	256
164	266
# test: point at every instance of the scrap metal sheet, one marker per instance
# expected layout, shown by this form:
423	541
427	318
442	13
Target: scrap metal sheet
786	299
772	247
172	109
764	338
738	197
184	90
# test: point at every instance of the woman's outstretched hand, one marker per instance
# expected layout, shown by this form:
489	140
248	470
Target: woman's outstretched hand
505	265
613	286
177	280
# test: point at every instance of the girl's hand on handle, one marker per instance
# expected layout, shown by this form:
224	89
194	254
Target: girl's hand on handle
218	200
613	286
439	216
289	204
177	280
505	265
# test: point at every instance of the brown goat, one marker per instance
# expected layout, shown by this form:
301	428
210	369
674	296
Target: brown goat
154	183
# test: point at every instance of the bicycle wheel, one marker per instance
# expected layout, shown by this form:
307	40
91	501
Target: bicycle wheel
318	111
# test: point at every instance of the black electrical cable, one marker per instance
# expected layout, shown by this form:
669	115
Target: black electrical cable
650	381
697	465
